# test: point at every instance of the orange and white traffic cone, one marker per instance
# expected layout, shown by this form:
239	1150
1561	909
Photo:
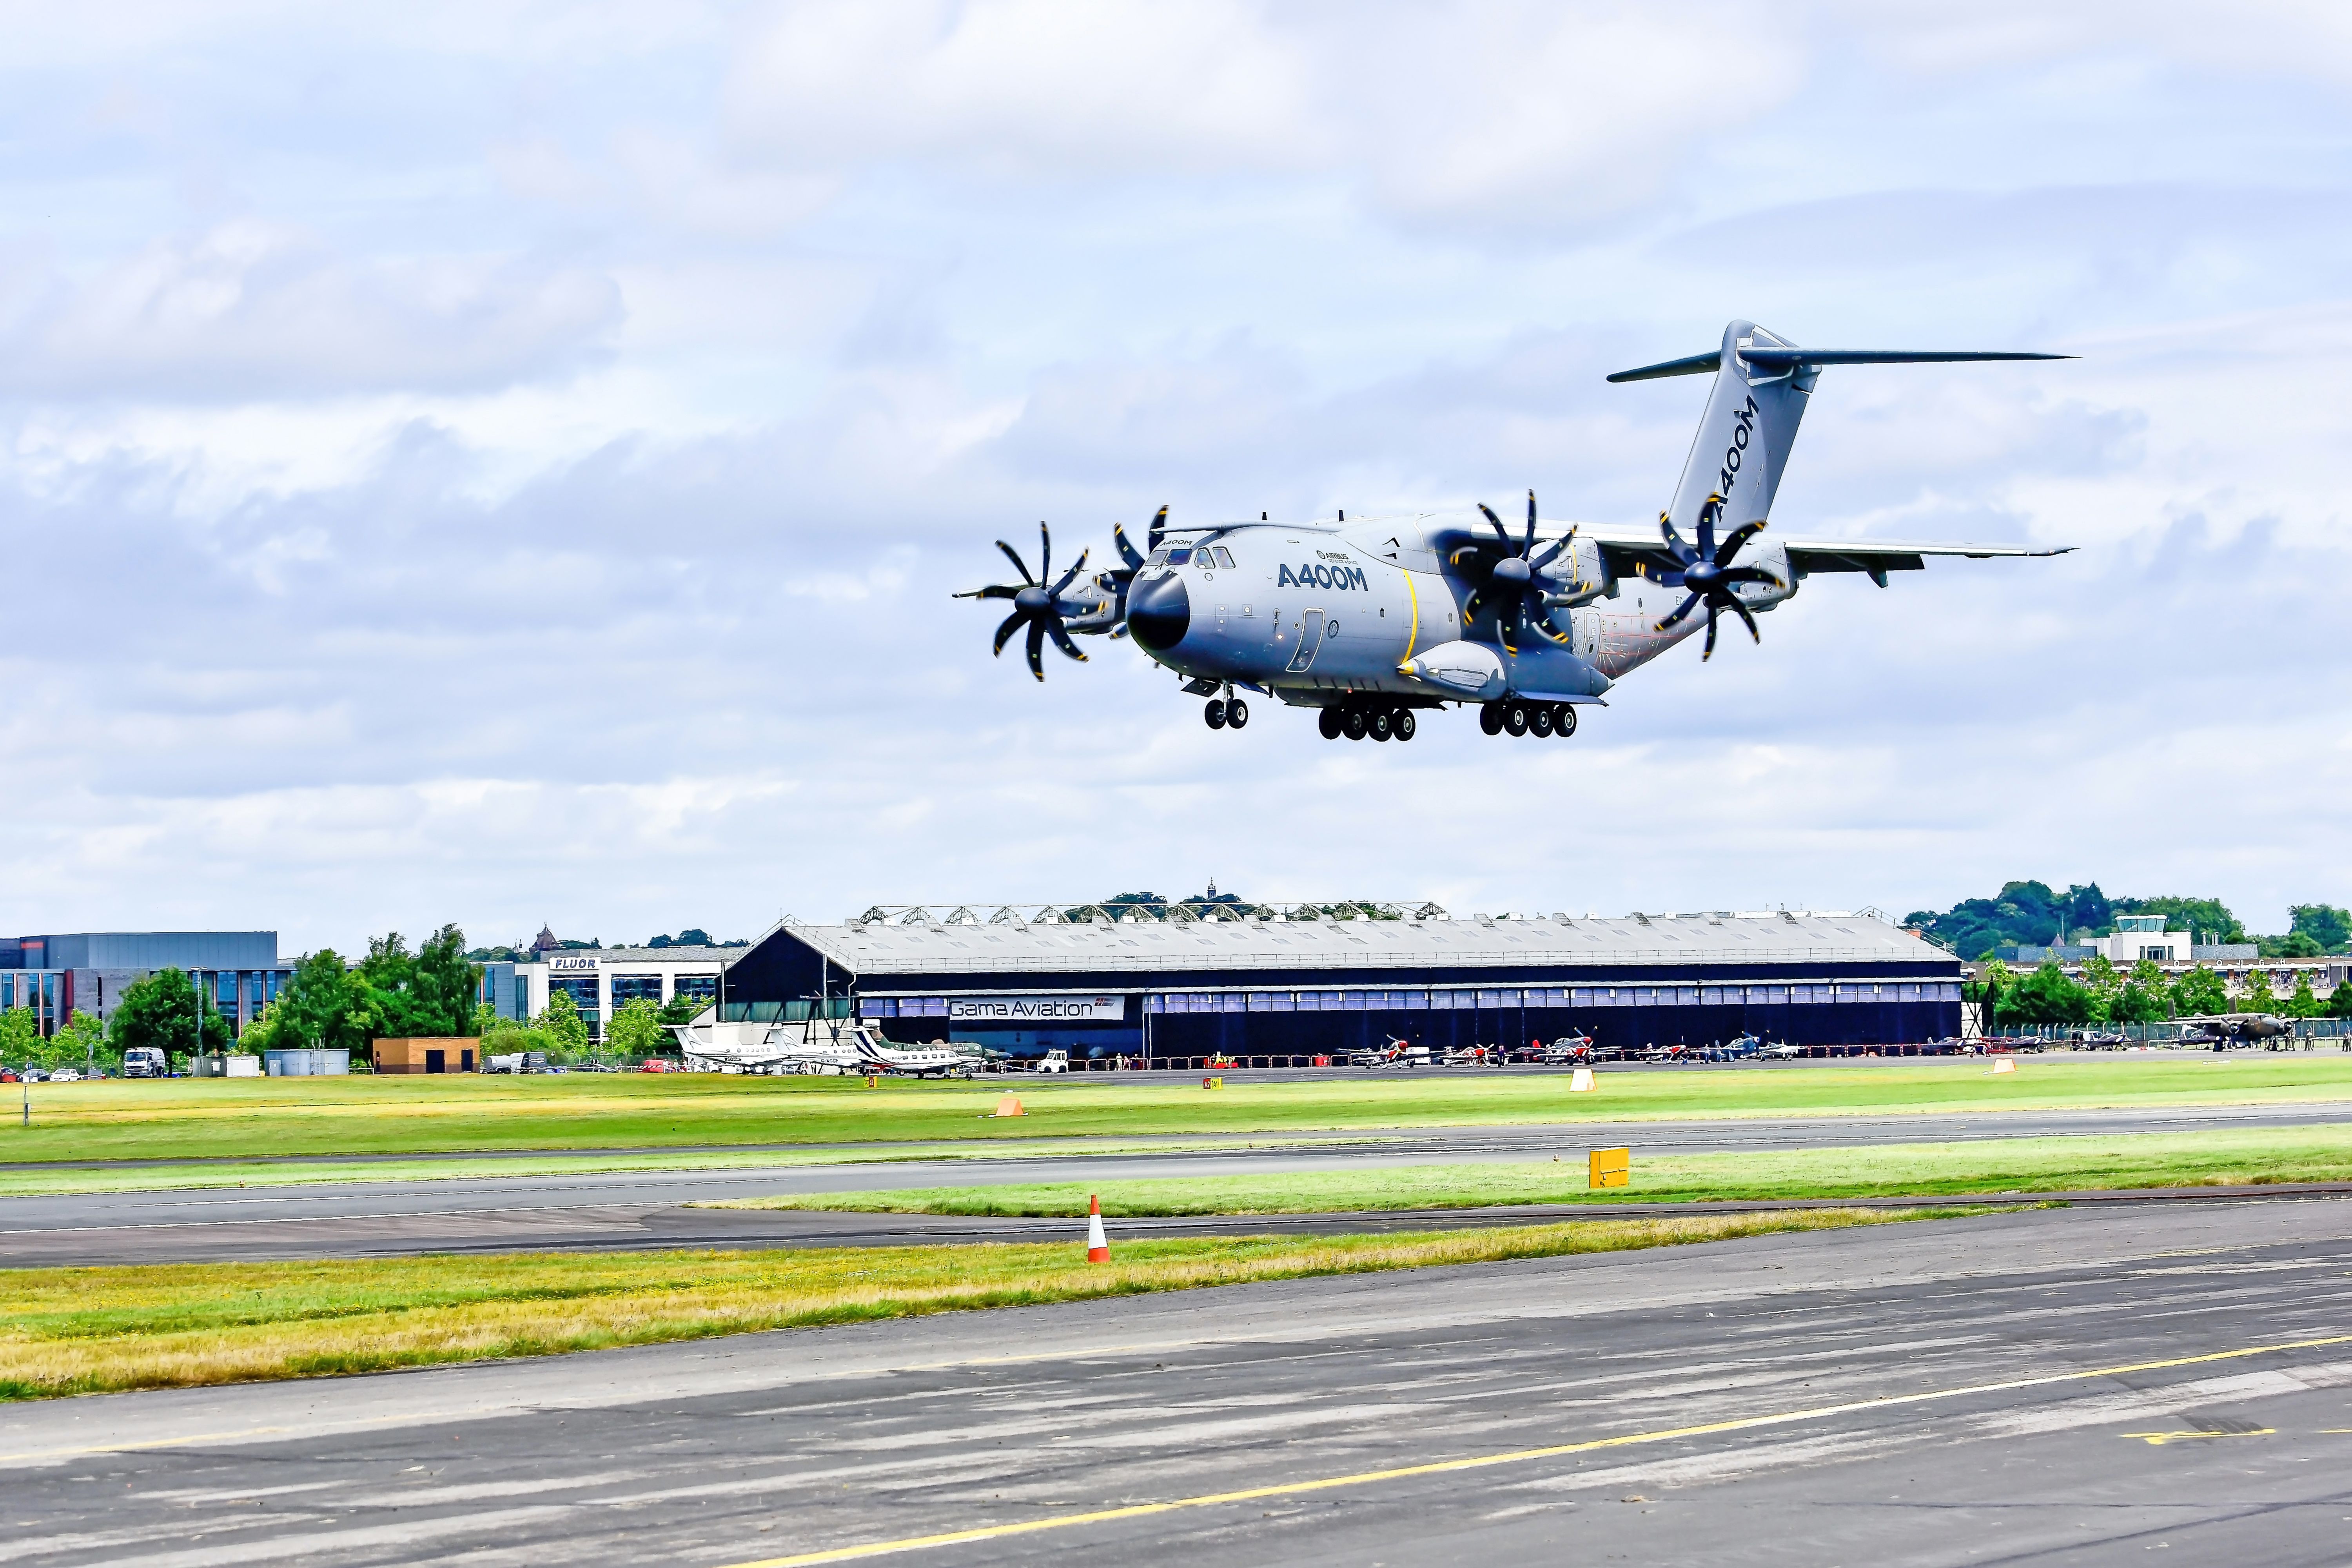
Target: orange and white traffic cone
1097	1244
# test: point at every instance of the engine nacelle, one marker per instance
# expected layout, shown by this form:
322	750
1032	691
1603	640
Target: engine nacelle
1772	558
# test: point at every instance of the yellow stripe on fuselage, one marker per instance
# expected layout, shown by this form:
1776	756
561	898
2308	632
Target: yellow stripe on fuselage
1412	637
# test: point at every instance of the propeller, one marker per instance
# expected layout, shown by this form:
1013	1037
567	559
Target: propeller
1512	581
1709	574
1035	604
1120	577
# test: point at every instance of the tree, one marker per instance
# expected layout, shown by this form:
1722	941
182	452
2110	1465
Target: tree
2256	996
20	1035
325	1004
2200	993
161	1011
2047	996
2328	926
684	1009
2339	1001
2145	997
79	1042
2105	986
636	1030
566	1031
2295	944
2303	1003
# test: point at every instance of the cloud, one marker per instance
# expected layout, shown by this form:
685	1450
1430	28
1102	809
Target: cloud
250	309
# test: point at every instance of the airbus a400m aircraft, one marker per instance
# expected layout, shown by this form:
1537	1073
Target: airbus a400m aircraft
1374	621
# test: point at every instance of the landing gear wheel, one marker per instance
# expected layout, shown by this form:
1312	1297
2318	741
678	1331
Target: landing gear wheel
1380	724
1353	723
1490	718
1540	720
1328	721
1237	714
1403	724
1214	713
1515	718
1563	719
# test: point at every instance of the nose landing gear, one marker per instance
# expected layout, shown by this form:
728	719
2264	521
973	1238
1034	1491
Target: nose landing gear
1224	713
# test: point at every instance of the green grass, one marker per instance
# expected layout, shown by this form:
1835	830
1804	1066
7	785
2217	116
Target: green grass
248	1118
81	1330
1915	1170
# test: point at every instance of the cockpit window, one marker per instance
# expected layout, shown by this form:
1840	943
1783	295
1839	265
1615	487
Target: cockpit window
1159	557
1224	558
1179	556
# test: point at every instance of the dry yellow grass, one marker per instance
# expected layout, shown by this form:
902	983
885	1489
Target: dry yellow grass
77	1331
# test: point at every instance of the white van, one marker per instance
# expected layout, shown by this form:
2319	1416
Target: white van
144	1061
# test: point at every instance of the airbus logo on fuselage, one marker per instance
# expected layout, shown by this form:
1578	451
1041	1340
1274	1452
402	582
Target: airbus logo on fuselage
1312	576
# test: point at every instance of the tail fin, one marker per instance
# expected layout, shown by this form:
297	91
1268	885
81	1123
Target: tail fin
1762	384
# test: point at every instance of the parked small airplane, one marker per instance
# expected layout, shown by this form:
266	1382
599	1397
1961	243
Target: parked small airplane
2213	1028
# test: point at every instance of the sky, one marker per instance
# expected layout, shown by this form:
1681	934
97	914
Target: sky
509	464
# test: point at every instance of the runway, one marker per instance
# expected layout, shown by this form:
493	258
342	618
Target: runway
637	1209
2044	1386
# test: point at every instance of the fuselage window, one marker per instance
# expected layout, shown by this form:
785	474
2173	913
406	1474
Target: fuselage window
1224	558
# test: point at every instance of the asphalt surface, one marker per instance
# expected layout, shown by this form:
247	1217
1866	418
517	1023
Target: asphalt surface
2079	1385
636	1209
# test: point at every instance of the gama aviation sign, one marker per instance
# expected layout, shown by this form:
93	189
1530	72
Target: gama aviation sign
1037	1009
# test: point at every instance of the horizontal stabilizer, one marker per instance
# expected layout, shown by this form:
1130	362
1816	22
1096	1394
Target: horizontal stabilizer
1781	358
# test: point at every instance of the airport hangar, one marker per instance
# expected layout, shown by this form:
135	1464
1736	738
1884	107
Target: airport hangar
1183	981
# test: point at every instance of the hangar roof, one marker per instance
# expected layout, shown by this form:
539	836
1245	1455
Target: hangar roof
915	941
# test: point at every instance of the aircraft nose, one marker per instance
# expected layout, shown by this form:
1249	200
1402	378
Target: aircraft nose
1160	613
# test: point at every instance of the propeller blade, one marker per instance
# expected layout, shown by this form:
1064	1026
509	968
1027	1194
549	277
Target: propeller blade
1072	572
1669	579
1119	631
1036	647
1708	510
1477	604
1045	553
1735	539
1159	527
1011	624
1680	611
1530	543
1551	552
1542	623
1708	652
1061	640
1750	574
1505	629
1126	552
1496	524
1683	553
1018	565
1741	611
994	591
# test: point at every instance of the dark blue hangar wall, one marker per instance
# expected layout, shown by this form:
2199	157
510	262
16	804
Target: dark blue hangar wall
1267	1011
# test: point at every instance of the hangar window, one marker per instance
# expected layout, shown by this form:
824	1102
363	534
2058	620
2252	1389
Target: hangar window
1224	558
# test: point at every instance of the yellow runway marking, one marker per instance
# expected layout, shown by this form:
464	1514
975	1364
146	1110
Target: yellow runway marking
2158	1440
1450	1466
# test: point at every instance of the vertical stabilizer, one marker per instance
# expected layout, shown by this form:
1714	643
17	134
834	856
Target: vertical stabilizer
1745	434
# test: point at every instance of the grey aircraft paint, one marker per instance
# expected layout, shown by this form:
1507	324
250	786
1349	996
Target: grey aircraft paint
1371	619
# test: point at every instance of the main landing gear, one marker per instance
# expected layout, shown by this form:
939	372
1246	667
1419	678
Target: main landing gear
1357	720
1519	718
1226	713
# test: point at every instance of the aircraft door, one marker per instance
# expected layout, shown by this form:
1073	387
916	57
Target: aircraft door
1310	637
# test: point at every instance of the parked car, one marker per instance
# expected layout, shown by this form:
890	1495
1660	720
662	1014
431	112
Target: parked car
66	1075
656	1064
